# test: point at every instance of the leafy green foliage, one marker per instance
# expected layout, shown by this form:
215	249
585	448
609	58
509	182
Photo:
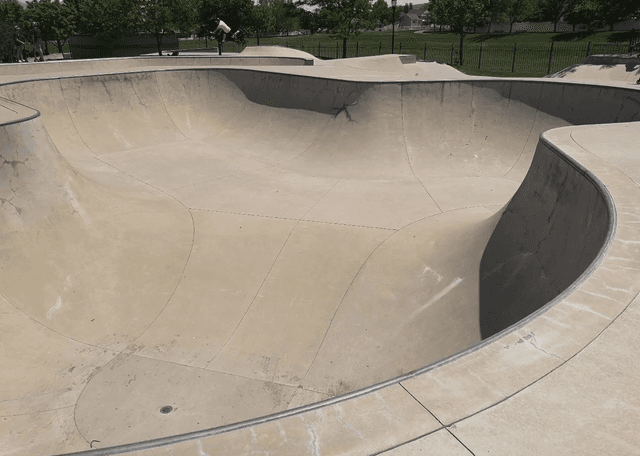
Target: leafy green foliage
460	15
11	15
108	18
56	20
344	18
381	12
262	20
518	11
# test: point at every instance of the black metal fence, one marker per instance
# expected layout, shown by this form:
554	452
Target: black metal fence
529	59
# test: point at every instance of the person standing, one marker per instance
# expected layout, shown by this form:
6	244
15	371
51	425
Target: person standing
19	44
37	42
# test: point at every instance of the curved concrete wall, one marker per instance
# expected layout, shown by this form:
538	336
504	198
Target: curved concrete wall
460	142
549	235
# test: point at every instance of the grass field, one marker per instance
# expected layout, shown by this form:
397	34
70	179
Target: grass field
485	54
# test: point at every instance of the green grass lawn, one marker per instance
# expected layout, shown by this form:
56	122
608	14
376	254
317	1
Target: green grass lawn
485	54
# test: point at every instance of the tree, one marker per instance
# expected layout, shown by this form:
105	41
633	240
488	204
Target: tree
262	21
55	20
494	12
553	11
581	12
161	16
286	16
108	19
381	12
308	20
345	18
11	15
610	12
156	19
460	15
517	11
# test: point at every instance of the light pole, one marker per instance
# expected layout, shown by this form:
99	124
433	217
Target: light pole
394	3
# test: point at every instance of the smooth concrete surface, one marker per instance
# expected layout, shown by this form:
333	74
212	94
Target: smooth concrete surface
622	70
239	242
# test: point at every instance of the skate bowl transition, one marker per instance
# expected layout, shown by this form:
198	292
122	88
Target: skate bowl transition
221	260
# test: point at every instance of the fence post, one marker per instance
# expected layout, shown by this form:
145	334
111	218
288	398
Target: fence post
589	49
425	51
513	63
452	51
480	56
551	59
357	49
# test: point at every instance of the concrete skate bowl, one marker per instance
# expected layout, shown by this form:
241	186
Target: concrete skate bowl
226	244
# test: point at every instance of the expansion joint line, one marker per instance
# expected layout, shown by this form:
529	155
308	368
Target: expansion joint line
75	127
193	224
268	274
406	149
181	272
442	426
533	122
335	312
506	398
164	104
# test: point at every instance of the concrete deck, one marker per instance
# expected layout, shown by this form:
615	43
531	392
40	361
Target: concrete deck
355	257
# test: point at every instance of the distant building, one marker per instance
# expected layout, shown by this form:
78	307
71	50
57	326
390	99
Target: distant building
412	18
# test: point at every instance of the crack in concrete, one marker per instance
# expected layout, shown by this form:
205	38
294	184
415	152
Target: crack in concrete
531	338
314	441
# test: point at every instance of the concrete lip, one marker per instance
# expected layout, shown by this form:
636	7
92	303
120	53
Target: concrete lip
216	245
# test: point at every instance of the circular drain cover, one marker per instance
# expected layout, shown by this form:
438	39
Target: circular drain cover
166	409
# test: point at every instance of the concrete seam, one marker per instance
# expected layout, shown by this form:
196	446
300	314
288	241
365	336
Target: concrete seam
294	219
537	110
266	277
36	412
329	119
552	370
340	304
436	418
193	240
51	329
75	127
223	429
164	105
406	149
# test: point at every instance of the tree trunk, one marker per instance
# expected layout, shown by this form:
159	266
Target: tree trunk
219	47
344	48
60	45
511	28
461	49
489	29
555	27
257	39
